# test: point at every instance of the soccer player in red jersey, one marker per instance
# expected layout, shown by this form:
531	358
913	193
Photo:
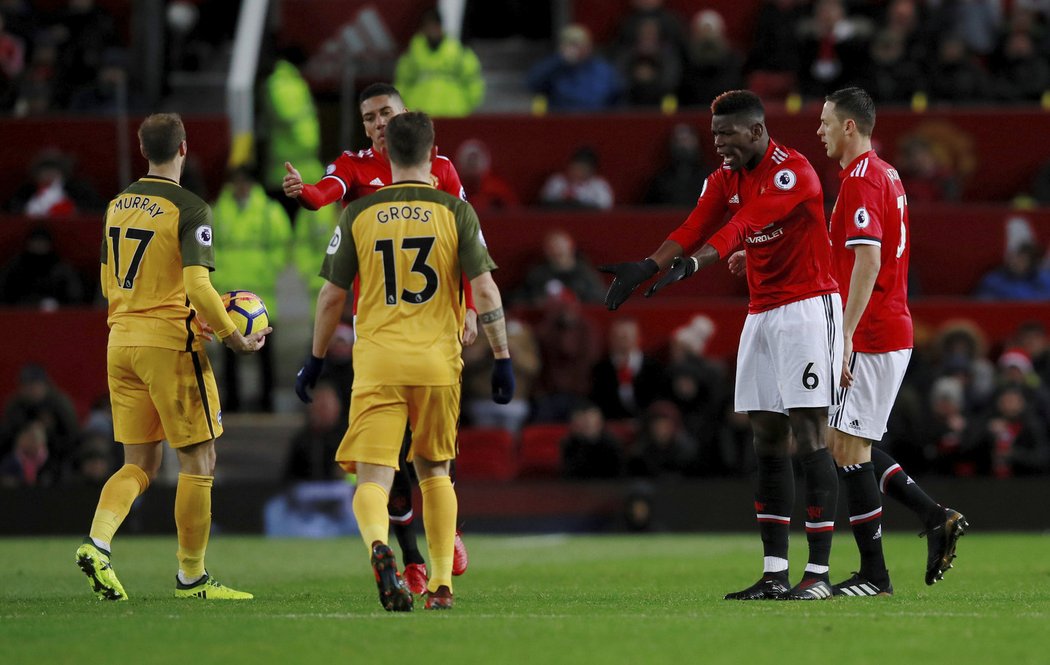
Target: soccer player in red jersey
869	237
790	354
351	176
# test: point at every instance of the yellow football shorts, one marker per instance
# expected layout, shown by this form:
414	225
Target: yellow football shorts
162	394
377	424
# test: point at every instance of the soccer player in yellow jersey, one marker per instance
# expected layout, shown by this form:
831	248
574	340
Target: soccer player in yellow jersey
156	255
409	243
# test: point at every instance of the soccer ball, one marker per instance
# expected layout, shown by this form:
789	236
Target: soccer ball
247	310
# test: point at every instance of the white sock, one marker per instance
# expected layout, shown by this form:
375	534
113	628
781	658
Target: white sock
186	580
814	568
101	544
774	564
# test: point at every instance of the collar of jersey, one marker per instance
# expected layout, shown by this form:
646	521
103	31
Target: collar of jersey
160	178
409	183
852	165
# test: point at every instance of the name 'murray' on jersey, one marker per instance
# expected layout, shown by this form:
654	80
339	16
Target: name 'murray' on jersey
141	202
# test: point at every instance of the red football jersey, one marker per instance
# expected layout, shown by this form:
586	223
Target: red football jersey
778	214
363	172
872	209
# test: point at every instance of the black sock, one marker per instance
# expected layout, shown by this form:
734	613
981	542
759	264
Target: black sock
865	519
822	493
774	499
401	516
897	484
406	538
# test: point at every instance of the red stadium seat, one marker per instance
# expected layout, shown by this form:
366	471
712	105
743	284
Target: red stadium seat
486	454
540	454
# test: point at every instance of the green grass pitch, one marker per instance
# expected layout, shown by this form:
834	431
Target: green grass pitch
533	599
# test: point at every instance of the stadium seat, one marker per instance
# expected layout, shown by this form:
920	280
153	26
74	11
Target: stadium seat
540	454
486	454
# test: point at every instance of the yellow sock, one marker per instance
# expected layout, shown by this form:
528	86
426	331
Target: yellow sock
119	492
370	510
439	520
193	521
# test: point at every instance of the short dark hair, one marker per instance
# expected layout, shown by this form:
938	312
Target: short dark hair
377	90
409	138
160	135
857	104
739	102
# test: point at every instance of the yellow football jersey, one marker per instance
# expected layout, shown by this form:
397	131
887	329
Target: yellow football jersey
409	244
152	230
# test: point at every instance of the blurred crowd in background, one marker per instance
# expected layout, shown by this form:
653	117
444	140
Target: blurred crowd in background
965	409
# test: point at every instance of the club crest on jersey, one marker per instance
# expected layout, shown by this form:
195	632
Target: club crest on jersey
333	244
861	218
785	179
204	236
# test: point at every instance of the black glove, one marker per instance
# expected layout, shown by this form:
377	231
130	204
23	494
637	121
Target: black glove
502	381
628	277
679	270
307	377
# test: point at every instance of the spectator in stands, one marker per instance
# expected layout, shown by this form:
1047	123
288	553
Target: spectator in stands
311	455
563	273
339	365
479	409
94	460
29	463
957	76
892	78
12	64
574	78
437	74
663	447
977	22
39	277
773	61
110	91
697	385
38	399
312	231
1020	277
626	380
650	66
1031	338
37	91
907	20
1016	371
712	63
289	129
833	48
52	190
682	177
1010	440
668	26
589	450
962	354
580	186
252	237
567	351
929	179
82	32
1022	73
944	438
485	190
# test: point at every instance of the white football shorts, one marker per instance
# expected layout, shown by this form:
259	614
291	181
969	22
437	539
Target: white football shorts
791	357
865	406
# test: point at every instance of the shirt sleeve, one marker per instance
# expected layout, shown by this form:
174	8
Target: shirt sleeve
789	187
474	256
706	217
449	180
340	260
195	236
859	199
340	171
